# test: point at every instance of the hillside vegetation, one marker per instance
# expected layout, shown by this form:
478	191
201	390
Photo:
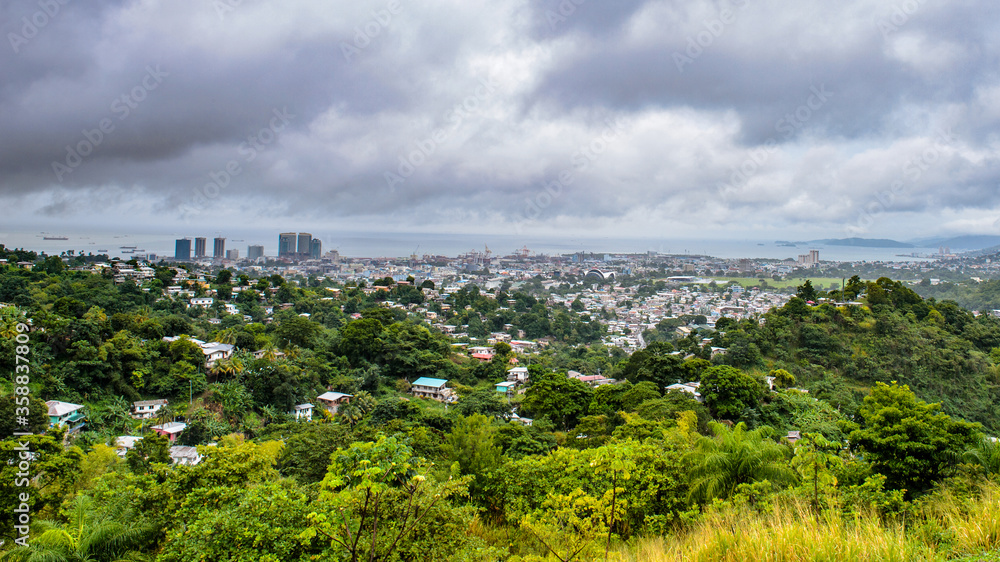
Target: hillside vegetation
892	398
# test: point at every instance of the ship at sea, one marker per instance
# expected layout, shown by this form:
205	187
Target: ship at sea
54	238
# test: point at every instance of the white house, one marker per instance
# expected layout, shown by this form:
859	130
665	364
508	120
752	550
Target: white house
213	350
125	443
427	387
303	412
145	409
689	387
204	302
518	374
184	455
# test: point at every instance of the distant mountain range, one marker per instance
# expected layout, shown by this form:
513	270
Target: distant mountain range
863	242
967	242
857	242
954	243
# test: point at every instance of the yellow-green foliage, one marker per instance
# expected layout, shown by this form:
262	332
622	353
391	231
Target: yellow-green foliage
793	533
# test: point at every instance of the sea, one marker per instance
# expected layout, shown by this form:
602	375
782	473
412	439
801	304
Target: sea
377	244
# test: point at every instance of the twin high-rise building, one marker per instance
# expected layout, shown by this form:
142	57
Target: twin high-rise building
286	245
219	250
299	246
199	247
305	244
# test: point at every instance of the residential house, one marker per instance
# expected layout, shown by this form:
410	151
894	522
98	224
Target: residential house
518	374
427	387
187	456
506	387
170	429
214	351
518	419
302	412
65	414
689	387
125	443
332	400
261	353
145	409
204	302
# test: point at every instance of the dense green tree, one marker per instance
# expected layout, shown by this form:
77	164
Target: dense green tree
806	291
729	391
152	448
376	503
908	440
562	399
471	450
307	450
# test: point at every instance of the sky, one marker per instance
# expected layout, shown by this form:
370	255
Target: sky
743	119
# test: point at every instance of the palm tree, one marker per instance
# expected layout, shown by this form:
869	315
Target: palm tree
270	352
355	410
83	539
985	453
225	336
733	457
228	367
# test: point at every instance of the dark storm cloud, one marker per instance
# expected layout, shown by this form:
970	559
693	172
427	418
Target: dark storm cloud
450	115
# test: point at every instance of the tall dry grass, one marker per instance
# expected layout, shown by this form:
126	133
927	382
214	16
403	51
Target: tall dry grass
792	532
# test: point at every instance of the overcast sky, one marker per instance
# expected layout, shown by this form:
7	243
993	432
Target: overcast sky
698	119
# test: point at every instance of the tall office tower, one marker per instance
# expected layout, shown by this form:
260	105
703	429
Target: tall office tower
220	248
286	245
199	247
254	252
305	241
316	249
232	254
182	249
814	257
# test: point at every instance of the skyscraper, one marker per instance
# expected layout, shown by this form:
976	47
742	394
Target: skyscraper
254	252
182	249
305	244
286	245
199	247
220	248
316	249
